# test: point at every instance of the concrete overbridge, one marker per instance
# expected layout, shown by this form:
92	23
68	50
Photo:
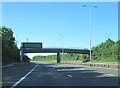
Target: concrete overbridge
28	47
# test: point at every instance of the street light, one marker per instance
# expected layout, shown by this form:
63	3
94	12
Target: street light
62	44
84	5
27	39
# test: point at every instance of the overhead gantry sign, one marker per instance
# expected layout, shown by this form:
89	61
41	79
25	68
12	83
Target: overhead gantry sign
34	47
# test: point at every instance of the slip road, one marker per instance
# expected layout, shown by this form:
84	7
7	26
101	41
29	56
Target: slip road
53	74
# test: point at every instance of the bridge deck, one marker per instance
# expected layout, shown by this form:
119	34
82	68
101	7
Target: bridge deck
54	50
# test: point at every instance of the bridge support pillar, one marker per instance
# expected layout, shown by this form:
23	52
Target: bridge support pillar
21	55
89	57
58	57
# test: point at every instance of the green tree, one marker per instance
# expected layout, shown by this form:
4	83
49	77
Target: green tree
106	51
10	51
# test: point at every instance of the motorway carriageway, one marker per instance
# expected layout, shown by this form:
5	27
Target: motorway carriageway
57	74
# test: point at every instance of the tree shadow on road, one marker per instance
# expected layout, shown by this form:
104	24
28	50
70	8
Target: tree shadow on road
87	77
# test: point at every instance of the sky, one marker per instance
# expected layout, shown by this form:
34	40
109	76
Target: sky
61	24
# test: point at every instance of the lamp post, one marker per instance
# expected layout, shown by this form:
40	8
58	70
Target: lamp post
27	39
90	26
62	44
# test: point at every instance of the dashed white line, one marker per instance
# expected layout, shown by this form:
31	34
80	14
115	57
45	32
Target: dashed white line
69	75
14	85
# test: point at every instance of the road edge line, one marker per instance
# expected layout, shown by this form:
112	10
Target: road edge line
19	81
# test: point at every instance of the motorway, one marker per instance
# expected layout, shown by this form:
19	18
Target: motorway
57	74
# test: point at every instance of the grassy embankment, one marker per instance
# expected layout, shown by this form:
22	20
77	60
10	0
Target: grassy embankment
66	59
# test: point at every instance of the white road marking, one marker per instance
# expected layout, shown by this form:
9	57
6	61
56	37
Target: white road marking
109	74
14	85
70	69
104	75
82	69
99	72
58	70
69	75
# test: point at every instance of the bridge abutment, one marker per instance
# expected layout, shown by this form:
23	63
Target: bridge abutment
89	57
21	55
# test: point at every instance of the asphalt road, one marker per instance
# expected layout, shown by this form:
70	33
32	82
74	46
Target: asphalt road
53	74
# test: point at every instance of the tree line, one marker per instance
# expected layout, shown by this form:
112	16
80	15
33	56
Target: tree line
107	51
10	51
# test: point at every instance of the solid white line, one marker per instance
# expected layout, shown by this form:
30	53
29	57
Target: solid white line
82	69
109	75
104	75
69	75
14	85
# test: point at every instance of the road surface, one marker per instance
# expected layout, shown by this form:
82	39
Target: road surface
58	74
